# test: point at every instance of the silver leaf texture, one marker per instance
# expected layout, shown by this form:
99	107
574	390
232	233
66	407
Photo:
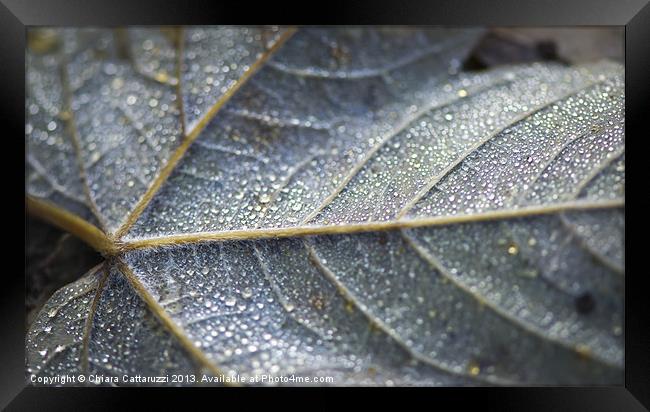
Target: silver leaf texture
334	202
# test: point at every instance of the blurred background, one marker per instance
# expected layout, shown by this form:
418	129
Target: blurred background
566	45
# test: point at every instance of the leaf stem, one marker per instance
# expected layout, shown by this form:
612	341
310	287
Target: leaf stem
72	223
283	232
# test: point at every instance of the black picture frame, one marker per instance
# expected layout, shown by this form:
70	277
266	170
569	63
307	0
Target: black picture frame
16	15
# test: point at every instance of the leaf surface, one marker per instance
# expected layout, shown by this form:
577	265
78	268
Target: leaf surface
125	117
491	206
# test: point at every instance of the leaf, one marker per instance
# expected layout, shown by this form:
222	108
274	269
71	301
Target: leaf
359	210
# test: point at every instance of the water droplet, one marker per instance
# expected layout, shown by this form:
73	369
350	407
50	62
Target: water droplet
117	83
473	369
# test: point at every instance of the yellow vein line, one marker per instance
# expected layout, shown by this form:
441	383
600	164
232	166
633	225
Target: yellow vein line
71	223
76	144
283	232
385	328
85	341
203	122
193	134
167	321
503	313
406	122
522	117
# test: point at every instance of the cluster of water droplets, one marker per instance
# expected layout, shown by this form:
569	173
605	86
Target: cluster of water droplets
52	172
288	139
54	342
365	129
214	59
127	339
128	126
539	160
